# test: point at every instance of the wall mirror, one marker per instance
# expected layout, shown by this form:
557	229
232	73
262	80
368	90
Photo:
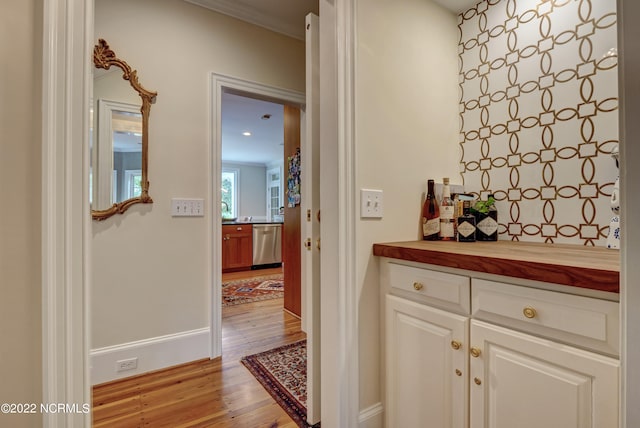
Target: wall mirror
119	136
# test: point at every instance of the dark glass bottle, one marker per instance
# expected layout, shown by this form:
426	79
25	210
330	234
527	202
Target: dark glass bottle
430	215
487	224
447	213
466	224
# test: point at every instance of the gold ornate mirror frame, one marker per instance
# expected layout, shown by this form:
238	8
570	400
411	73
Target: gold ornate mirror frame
104	57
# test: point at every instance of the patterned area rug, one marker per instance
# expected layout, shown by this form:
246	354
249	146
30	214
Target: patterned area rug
252	290
283	373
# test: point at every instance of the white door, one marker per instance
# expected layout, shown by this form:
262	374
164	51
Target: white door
522	381
426	367
310	204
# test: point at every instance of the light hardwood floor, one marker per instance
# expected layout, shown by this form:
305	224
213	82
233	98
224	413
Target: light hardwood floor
207	393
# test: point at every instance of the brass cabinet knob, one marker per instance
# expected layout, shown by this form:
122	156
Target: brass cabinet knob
475	352
477	381
458	372
529	312
456	345
418	286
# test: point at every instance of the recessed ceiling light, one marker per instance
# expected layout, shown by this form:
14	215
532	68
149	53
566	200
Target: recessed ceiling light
246	133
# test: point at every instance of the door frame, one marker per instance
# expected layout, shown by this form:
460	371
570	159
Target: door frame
219	84
67	45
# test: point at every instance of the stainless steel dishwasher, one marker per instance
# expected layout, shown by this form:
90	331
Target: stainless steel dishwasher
267	245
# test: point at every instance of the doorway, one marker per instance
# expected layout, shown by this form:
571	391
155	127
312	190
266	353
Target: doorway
260	227
222	85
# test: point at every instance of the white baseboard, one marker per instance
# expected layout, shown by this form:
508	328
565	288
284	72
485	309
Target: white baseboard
152	354
371	417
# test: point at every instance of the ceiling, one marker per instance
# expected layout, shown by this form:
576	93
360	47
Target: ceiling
457	6
241	113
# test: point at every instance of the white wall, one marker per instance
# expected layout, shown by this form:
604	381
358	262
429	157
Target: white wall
149	269
406	132
20	175
252	190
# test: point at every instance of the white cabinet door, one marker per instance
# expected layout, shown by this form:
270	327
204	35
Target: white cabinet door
427	360
522	381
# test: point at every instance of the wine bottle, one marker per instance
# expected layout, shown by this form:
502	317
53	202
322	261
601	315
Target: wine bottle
430	215
447	216
466	224
487	223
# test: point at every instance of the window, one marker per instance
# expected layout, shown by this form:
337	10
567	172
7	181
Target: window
274	193
229	189
133	183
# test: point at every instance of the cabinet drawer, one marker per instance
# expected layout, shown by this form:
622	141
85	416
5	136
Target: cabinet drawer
236	229
582	321
439	289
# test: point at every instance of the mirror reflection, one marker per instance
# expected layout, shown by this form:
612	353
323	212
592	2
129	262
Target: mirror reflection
117	168
119	136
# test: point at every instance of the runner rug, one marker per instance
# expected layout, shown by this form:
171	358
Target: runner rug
252	289
283	373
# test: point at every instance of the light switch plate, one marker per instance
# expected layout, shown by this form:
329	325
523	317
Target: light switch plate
371	203
181	207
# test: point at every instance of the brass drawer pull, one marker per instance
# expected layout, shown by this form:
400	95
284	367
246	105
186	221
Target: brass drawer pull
475	352
458	372
529	312
418	286
477	381
456	345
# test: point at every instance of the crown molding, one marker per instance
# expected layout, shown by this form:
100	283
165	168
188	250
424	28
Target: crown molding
249	14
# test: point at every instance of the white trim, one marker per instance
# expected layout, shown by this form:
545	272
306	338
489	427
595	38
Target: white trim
629	104
372	416
153	354
219	84
347	209
339	299
66	220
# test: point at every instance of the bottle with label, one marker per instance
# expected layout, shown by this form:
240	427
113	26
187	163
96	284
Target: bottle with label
487	223
447	213
430	215
466	224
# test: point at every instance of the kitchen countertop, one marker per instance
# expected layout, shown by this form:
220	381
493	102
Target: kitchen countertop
224	223
595	268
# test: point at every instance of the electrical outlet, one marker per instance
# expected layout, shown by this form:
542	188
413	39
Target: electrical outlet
371	203
128	364
181	207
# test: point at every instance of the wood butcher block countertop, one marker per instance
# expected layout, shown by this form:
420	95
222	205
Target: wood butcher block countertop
595	268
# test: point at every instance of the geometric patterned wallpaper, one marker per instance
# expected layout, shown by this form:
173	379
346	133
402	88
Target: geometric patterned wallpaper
539	115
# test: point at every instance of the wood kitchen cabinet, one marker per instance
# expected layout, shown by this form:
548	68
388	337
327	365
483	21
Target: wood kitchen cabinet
462	351
237	247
